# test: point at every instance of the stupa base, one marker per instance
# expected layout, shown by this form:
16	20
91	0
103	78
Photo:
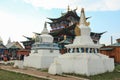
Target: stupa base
85	63
39	61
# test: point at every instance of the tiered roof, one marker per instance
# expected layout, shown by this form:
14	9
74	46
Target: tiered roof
14	45
69	30
66	15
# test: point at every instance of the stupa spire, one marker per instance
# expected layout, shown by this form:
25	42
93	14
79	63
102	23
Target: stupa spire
45	30
83	18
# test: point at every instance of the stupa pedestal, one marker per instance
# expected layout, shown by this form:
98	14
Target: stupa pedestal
83	55
43	51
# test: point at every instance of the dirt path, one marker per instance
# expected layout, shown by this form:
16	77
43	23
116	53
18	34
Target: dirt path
38	73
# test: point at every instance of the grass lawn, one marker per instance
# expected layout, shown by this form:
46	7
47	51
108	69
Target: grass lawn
7	75
115	75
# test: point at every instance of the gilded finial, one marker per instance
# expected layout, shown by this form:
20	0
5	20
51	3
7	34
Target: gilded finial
83	18
77	30
82	10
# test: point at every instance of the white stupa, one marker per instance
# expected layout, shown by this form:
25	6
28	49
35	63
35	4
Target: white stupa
83	55
43	51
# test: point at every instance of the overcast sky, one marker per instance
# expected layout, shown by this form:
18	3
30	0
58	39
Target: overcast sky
23	17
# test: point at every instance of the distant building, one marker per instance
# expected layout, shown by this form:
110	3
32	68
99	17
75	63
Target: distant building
3	49
9	51
113	51
12	48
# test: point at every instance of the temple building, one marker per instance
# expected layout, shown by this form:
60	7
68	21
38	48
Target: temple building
66	26
12	48
27	46
9	51
64	30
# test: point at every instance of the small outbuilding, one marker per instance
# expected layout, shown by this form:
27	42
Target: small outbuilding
113	51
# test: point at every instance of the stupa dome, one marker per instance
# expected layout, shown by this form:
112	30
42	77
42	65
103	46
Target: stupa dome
44	37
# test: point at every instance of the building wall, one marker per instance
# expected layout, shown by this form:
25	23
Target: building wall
115	53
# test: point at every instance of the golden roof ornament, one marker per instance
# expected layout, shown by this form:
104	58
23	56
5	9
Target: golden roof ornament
77	30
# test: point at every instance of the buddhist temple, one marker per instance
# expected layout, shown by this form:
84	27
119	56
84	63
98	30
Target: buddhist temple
64	29
12	48
66	25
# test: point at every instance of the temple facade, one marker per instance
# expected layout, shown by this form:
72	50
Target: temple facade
64	29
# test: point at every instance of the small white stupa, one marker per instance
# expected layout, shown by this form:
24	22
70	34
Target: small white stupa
83	55
43	51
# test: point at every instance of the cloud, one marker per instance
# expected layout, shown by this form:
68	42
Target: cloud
91	5
14	26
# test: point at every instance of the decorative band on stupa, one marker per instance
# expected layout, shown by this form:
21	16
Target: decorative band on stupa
83	50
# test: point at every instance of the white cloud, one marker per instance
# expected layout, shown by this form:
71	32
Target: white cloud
91	5
14	26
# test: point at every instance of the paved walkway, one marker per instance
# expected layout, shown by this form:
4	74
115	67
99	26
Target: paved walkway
38	73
